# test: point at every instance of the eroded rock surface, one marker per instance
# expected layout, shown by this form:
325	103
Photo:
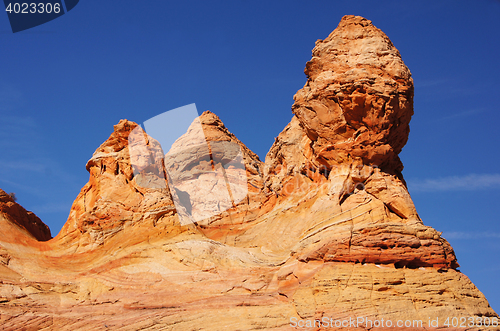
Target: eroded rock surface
25	221
327	227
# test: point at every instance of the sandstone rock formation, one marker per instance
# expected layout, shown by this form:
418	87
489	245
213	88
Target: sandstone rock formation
327	230
17	219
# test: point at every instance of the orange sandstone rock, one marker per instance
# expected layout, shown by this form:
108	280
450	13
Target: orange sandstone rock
24	221
327	228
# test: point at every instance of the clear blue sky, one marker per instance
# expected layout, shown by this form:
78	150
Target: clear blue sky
64	84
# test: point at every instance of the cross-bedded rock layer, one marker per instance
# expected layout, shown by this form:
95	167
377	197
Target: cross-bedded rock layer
327	229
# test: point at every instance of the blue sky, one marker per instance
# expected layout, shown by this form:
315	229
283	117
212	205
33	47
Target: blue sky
64	84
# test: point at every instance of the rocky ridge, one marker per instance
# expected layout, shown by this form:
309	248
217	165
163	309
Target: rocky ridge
18	218
327	228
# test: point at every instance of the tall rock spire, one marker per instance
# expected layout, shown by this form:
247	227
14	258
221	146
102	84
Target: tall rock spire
358	98
355	106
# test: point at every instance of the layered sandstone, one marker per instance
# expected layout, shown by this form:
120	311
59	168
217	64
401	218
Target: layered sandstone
327	227
20	220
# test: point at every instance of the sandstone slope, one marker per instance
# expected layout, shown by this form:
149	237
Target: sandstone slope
327	228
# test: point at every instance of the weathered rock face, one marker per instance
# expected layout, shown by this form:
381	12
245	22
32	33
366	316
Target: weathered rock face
14	214
358	99
356	104
351	121
210	170
114	198
327	228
